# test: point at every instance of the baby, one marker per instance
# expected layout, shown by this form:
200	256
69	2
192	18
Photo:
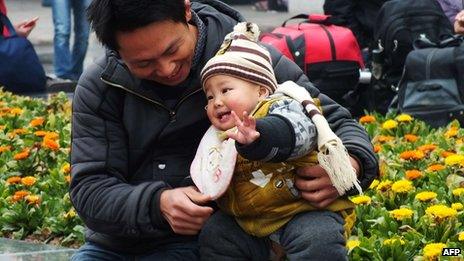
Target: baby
244	107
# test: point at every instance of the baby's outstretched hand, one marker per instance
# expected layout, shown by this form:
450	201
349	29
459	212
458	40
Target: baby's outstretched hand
246	130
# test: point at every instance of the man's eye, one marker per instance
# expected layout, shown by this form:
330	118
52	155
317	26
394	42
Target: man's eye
171	51
143	64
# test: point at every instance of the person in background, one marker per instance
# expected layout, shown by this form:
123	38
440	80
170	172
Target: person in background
23	28
68	61
451	8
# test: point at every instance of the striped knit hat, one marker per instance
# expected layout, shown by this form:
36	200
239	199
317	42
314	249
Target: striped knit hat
241	56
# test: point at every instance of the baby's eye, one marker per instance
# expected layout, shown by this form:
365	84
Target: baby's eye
225	90
209	97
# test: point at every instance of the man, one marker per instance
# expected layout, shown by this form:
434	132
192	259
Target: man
138	117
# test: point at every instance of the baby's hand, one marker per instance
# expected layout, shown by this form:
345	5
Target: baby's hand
246	130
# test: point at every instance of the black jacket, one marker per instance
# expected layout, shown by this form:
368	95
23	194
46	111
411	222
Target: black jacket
358	15
127	147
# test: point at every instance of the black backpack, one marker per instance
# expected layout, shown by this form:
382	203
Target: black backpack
432	85
398	25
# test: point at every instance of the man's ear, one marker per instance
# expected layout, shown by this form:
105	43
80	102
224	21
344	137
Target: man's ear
188	11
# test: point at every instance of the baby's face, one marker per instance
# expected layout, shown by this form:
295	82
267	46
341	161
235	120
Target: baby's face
226	94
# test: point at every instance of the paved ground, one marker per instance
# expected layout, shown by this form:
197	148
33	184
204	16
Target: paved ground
42	36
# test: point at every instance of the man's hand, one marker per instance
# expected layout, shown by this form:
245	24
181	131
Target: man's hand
246	129
182	209
459	23
316	186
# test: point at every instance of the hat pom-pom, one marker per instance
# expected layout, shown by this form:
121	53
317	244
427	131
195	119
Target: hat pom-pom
250	30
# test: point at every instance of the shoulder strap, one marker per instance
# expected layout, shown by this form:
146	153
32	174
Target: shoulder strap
6	23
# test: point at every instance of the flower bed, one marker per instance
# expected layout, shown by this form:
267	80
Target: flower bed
35	171
412	211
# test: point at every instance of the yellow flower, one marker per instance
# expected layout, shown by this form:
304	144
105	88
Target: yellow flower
384	185
411	137
16	111
440	212
70	214
435	167
426	196
412	155
413	174
457	206
28	181
374	184
351	244
458	192
66	168
433	250
37	121
461	236
452	132
454	159
367	119
401	213
22	155
389	124
361	200
404	118
33	199
13	180
391	241
51	135
402	186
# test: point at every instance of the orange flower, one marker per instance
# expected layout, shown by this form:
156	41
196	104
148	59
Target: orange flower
2	127
52	135
427	147
367	119
40	133
5	148
412	155
413	174
33	199
446	154
377	148
50	143
28	181
17	132
37	121
382	138
68	178
411	137
435	167
20	194
22	155
13	180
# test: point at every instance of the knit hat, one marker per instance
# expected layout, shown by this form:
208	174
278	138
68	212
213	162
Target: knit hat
241	56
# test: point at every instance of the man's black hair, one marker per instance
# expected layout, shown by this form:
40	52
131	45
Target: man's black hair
107	17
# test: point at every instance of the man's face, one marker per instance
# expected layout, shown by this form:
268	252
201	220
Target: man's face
160	52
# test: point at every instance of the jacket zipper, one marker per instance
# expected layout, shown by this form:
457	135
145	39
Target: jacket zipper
332	43
172	113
